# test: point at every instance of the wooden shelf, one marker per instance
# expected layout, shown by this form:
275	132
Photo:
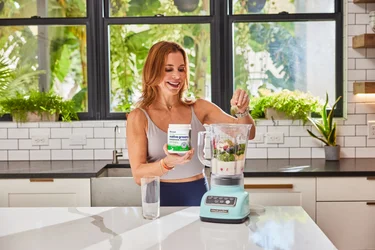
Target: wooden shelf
364	41
364	88
363	1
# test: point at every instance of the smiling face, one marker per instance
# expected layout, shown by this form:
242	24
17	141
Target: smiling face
174	73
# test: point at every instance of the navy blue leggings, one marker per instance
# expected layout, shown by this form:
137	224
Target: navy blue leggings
183	194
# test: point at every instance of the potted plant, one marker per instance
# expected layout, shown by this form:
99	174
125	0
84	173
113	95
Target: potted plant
294	105
38	106
327	129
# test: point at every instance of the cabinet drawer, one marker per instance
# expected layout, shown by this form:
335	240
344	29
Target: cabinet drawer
45	192
346	189
349	225
282	192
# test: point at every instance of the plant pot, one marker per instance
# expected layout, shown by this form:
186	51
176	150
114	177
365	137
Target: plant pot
332	153
271	113
35	117
186	5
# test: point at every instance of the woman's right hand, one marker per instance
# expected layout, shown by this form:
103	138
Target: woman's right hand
175	159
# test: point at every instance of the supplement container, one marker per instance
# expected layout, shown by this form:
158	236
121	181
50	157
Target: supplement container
179	141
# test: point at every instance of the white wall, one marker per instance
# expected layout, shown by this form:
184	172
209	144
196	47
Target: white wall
15	139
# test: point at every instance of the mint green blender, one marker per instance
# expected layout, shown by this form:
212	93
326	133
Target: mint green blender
226	145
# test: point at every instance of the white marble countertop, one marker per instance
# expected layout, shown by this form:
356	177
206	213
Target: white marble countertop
99	228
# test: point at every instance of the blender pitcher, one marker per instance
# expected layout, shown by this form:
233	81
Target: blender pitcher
228	145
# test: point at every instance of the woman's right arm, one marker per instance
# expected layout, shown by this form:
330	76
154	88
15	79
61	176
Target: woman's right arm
137	147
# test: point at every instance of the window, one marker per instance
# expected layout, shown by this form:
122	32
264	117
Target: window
93	51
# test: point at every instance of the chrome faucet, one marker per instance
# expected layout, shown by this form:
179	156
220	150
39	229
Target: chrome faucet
115	153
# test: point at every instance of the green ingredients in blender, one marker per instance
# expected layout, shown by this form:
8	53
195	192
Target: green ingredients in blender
229	151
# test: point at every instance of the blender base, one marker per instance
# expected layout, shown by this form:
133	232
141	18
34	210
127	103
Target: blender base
224	221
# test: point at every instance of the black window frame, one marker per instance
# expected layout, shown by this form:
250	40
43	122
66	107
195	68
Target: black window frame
221	21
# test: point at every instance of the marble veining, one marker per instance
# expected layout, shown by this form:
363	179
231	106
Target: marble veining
94	228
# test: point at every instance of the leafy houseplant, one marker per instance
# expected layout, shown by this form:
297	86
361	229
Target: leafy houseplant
46	106
295	105
327	128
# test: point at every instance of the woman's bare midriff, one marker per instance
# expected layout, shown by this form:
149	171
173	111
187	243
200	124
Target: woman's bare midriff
188	179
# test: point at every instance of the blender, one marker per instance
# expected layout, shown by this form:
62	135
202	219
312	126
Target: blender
226	201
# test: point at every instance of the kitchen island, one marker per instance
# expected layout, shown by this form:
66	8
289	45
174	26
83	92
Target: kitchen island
99	228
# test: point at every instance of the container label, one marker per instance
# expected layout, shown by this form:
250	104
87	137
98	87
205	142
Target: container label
179	141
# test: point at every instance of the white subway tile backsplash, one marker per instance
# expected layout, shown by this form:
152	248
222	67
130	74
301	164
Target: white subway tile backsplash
370	7
370	74
356	8
370	53
87	154
365	63
3	133
53	144
104	132
65	144
356	75
111	124
14	133
61	132
351	108
93	124
365	152
365	108
299	130
317	153
361	19
89	132
40	132
66	154
102	154
355	141
50	125
345	130
290	142
8	125
355	120
8	144
94	144
28	125
361	130
256	153
351	19
351	63
40	155
300	152
18	155
110	143
26	144
3	155
347	152
310	142
279	129
74	124
278	153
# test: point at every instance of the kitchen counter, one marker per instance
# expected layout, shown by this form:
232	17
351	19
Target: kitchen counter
253	168
178	228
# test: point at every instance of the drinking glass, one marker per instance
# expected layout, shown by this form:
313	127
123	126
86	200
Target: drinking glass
150	188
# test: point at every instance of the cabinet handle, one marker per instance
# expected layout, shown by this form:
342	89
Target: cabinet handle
372	203
265	186
371	178
41	180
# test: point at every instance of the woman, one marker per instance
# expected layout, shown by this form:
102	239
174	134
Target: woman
165	78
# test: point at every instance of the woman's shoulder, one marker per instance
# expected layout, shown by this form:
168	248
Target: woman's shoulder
137	115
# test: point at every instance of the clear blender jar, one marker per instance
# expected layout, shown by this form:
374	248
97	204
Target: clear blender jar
227	150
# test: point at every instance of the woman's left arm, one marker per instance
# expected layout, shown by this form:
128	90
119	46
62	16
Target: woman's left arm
213	114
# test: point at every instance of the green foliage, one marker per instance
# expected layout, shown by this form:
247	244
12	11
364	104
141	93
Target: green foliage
296	105
325	126
40	103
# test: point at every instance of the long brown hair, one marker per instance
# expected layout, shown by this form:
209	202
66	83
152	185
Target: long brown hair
153	71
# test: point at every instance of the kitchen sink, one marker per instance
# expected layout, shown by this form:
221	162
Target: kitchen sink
115	186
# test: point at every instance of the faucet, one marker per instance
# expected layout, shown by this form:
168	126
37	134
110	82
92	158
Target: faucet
115	153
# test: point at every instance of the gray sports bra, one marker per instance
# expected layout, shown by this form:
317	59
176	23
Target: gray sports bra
156	140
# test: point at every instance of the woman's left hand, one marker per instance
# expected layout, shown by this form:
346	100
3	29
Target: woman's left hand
240	99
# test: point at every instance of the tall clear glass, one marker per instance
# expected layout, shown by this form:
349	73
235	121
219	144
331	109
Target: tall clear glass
150	187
